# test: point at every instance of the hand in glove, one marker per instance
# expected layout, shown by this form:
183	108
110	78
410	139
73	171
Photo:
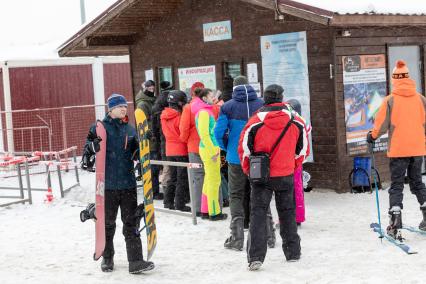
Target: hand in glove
370	138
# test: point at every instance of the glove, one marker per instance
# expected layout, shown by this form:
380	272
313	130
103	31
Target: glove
88	160
370	138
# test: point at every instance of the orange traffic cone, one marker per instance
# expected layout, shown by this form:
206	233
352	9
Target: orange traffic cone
49	195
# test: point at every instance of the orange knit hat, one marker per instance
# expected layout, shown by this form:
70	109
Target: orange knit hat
400	71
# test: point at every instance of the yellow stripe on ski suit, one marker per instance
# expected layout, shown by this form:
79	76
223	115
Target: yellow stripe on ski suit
208	148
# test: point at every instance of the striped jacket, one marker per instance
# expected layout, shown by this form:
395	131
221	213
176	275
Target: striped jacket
263	130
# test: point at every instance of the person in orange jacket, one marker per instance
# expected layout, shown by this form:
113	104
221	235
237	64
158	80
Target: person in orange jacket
402	115
189	135
176	151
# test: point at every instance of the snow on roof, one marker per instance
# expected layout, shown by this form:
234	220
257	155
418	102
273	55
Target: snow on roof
407	7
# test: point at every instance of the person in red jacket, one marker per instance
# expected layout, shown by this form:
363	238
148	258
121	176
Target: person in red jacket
270	121
176	151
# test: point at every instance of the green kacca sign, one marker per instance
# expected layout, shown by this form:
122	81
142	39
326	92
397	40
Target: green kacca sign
217	31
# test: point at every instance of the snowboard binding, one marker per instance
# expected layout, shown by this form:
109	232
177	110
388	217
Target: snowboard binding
88	213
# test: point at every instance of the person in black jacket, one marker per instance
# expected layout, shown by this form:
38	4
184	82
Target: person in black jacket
122	148
145	100
158	107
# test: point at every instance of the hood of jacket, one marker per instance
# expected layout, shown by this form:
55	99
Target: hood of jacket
198	104
244	93
169	113
404	87
275	115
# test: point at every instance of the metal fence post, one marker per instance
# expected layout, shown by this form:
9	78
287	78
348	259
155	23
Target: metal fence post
191	196
21	187
74	157
58	168
27	172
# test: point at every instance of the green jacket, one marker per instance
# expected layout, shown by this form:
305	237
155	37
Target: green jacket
145	103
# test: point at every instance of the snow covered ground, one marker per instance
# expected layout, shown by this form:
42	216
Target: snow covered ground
47	243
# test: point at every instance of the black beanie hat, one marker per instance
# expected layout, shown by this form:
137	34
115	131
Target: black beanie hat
149	83
165	85
295	104
240	80
273	94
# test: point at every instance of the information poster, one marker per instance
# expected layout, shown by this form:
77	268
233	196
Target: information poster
364	80
203	74
285	62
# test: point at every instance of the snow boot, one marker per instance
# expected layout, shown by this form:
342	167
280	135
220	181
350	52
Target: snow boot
270	231
255	265
107	264
136	267
218	217
184	208
236	240
422	225
395	223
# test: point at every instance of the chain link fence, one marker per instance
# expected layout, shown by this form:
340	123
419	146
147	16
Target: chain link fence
50	129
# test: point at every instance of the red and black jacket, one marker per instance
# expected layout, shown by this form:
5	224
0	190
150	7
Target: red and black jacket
262	131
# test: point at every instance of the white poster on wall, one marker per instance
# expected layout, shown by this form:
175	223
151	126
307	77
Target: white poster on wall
285	62
203	74
252	75
149	75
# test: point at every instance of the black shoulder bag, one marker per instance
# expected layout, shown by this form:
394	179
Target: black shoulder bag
260	162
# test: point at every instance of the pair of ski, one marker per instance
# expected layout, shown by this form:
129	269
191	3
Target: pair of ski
144	196
402	245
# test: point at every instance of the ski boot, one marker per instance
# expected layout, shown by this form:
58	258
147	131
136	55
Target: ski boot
88	213
107	264
270	231
236	240
395	223
136	267
422	225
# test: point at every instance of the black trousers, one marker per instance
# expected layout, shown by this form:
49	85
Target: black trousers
284	198
126	200
177	185
155	173
398	167
239	192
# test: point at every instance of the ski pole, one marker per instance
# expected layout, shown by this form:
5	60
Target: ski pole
373	166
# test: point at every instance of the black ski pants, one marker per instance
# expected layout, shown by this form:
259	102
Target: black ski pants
239	192
126	200
177	185
261	196
398	167
155	173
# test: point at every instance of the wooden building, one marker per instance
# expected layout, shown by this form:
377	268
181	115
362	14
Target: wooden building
165	35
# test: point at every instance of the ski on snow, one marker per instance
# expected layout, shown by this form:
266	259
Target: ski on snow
407	249
414	230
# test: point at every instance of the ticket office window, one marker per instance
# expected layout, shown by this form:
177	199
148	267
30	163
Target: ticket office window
231	69
165	74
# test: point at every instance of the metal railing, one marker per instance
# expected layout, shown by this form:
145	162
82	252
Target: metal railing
188	166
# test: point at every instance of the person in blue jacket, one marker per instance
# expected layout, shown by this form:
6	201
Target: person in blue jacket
233	116
122	148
